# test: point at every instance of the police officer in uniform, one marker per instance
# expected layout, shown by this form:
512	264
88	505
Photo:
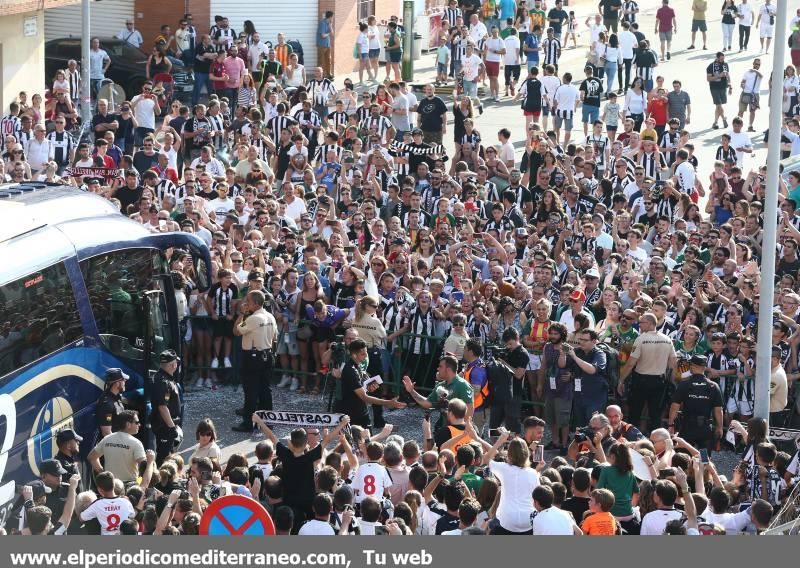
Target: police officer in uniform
258	330
110	403
699	401
166	416
68	442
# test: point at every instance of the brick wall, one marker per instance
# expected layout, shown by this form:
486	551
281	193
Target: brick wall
345	21
152	14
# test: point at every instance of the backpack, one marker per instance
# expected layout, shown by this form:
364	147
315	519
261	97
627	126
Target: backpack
500	381
612	365
297	48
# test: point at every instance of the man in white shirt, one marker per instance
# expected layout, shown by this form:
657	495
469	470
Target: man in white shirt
222	204
550	520
627	44
131	35
655	522
751	87
473	68
740	141
320	525
565	100
295	206
412	101
38	149
745	16
145	109
477	29
400	111
255	53
550	82
596	28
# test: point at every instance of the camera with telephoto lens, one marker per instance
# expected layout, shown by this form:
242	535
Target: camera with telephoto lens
584	434
338	353
498	353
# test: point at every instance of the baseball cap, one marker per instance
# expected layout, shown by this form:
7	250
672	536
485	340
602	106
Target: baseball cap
577	295
592	273
698	360
51	467
67	436
115	374
168	356
39	489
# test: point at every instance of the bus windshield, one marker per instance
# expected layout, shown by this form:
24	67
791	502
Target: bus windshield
127	293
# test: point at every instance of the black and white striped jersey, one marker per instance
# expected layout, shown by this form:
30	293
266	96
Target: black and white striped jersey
552	51
379	125
320	92
278	123
61	147
337	119
451	15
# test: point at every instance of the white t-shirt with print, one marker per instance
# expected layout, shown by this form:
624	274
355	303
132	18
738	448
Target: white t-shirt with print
371	480
746	13
471	66
109	513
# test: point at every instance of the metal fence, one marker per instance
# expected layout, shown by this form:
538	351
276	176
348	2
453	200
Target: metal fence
412	354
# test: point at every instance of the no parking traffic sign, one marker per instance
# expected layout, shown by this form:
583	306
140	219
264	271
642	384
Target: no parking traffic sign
236	515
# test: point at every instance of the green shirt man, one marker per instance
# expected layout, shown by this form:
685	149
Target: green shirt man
449	382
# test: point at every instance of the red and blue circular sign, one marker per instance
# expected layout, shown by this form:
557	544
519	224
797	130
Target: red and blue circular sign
236	515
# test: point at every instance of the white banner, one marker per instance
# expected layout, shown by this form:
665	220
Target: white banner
300	419
785	435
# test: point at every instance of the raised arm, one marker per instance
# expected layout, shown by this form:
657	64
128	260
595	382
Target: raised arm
266	430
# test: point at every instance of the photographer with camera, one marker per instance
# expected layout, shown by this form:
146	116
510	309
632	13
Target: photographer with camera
591	382
354	396
514	359
699	402
592	438
334	359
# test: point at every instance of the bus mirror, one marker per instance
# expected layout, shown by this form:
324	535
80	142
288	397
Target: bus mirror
201	271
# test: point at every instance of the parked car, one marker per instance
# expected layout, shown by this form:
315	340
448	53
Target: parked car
127	65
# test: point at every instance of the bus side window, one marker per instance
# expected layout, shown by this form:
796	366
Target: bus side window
38	315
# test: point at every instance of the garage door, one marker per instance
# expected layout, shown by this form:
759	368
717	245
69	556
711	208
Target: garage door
108	18
297	19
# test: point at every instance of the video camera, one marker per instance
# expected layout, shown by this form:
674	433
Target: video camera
338	353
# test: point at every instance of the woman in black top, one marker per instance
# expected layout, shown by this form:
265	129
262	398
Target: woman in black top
462	110
158	62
